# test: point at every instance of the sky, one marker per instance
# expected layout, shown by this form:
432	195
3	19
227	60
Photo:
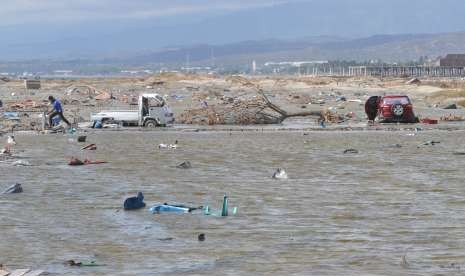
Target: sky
20	12
98	28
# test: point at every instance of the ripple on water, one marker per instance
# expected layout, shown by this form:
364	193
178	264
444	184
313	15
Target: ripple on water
336	214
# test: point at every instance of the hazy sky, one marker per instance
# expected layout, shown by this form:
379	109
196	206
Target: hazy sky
74	11
80	28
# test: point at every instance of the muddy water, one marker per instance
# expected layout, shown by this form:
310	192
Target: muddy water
356	214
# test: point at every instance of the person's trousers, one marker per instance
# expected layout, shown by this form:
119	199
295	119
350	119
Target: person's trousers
55	113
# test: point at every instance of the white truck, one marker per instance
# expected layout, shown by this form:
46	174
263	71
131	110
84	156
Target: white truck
152	111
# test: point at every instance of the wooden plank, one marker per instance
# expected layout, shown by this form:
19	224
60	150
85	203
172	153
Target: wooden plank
19	272
4	272
34	273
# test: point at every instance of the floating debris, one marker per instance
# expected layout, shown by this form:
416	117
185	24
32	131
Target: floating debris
76	162
280	174
430	143
11	140
134	203
23	163
168	208
169	146
77	263
395	146
184	165
14	189
224	210
90	147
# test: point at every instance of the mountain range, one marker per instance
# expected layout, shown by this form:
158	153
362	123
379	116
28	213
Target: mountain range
388	48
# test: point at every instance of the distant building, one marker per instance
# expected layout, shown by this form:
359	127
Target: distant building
453	60
32	84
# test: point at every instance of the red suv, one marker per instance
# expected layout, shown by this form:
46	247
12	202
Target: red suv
389	109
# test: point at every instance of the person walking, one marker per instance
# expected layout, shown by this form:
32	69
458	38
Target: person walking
57	110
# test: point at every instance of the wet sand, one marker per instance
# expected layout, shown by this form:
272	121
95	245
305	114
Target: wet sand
352	214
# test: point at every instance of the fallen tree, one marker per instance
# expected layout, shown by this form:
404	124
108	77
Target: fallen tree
242	111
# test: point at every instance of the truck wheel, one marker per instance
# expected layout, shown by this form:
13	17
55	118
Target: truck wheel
150	124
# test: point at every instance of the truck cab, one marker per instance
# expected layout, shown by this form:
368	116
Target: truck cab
153	111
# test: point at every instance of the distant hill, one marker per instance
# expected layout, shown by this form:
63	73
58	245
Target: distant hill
390	48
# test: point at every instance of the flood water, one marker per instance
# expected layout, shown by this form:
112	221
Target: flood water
337	214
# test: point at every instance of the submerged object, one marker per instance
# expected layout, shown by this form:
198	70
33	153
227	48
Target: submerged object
14	189
353	151
77	263
5	151
90	162
394	146
11	140
21	163
431	143
169	146
134	203
184	165
156	209
168	208
280	174
97	124
82	139
429	121
90	147
224	210
76	162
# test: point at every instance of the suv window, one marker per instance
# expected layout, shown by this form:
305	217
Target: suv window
401	100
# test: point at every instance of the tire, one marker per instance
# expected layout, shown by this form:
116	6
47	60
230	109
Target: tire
397	110
151	124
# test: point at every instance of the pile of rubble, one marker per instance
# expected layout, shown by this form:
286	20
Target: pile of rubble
75	94
452	118
26	105
331	116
